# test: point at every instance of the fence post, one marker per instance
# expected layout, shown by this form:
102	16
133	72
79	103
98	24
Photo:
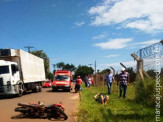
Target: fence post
114	78
140	69
103	81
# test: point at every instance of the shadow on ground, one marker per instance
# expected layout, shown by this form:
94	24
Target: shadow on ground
130	116
22	116
15	96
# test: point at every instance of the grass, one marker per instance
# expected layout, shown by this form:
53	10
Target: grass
116	110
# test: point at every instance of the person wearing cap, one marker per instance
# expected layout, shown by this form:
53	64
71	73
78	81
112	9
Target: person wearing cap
124	80
109	78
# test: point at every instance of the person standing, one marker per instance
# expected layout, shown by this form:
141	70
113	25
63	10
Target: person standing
89	81
124	80
78	84
92	81
86	81
109	78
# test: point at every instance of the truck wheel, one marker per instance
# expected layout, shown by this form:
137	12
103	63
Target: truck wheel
20	93
53	89
20	90
68	90
37	89
40	89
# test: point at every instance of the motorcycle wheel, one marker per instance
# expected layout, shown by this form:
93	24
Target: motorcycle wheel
22	110
62	113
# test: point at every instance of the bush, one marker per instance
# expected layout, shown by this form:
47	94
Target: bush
145	92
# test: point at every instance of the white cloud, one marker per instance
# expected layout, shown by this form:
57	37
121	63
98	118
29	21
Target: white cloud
121	43
117	65
114	43
110	56
78	24
148	64
145	15
100	36
144	43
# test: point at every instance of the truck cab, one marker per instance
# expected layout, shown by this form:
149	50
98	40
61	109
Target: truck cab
9	77
62	80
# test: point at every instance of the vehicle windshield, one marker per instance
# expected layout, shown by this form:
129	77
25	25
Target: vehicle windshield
62	78
47	81
4	69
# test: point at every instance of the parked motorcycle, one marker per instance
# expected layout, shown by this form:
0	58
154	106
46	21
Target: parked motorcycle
40	110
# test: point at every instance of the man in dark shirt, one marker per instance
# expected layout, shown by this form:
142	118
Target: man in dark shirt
124	80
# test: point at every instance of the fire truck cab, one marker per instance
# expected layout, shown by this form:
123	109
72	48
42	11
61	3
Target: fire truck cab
62	80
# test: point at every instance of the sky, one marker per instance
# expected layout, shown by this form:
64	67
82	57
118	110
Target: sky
82	31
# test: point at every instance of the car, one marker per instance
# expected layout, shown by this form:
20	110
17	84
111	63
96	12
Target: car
47	84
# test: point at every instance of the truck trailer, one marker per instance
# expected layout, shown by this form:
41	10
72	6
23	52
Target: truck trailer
20	71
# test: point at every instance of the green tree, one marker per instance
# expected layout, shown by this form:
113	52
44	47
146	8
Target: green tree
60	65
83	71
151	73
70	67
50	75
44	56
103	71
63	66
132	74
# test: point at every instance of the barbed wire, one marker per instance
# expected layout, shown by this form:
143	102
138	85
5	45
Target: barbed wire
149	51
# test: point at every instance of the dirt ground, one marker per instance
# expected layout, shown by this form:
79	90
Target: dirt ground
69	101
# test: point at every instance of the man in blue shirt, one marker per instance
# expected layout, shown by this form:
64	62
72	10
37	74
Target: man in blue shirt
109	78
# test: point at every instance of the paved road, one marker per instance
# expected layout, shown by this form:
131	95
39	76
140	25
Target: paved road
7	105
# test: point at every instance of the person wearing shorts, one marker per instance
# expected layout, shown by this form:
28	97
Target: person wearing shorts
101	98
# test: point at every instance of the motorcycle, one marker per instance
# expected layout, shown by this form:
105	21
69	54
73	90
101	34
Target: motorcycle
40	110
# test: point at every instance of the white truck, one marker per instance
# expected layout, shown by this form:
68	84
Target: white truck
20	71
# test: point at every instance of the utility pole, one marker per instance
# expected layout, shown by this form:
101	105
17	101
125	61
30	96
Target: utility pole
29	47
95	75
95	66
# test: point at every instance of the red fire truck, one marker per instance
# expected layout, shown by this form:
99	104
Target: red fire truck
62	80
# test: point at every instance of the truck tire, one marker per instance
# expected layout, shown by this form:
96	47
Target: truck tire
68	90
40	89
20	93
37	89
54	89
20	86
